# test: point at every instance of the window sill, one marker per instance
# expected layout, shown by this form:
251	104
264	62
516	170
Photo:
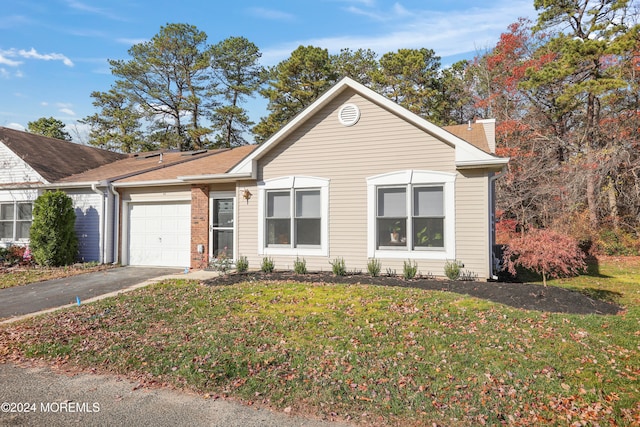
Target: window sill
288	251
404	253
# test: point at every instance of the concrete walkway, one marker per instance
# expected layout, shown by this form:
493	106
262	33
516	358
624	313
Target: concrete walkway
20	301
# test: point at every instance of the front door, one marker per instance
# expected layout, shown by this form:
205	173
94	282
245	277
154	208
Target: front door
222	229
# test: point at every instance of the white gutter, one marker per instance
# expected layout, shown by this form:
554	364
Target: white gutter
116	222
216	177
83	184
482	164
103	246
148	183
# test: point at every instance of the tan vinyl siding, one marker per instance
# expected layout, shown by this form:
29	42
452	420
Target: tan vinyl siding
247	227
322	147
472	222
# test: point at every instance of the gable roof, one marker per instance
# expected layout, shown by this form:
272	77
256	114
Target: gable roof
467	155
473	133
54	159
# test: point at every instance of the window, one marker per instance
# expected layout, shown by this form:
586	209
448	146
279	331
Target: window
411	213
15	220
293	214
307	218
428	217
279	218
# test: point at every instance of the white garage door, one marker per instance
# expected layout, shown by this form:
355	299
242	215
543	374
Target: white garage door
159	234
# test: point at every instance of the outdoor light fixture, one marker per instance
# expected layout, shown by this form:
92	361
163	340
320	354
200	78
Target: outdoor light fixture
246	194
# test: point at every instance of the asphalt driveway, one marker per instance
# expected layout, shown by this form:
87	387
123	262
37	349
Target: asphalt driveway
38	396
35	297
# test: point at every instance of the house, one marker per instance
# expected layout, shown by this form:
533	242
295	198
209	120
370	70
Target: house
353	176
28	163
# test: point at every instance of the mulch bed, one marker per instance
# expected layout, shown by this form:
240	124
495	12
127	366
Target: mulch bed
519	295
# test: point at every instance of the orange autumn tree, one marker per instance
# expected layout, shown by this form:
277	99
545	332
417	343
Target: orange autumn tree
545	252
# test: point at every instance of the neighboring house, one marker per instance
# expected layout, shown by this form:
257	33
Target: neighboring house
28	164
353	176
150	211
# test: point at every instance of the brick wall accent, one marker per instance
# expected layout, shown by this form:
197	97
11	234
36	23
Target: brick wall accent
199	224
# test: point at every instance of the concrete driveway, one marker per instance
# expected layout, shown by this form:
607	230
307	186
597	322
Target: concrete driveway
36	297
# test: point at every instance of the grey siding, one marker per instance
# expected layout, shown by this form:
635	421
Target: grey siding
89	208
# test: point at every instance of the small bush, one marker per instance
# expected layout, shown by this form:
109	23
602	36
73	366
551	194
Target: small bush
222	263
339	267
452	269
545	252
409	270
468	276
242	264
267	265
15	255
300	266
391	272
373	267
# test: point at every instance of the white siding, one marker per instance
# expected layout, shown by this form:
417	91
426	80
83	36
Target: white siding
14	170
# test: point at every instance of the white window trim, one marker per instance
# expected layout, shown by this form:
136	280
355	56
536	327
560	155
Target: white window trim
292	183
411	178
15	221
223	195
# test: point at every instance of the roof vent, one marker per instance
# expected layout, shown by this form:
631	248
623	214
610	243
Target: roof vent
349	114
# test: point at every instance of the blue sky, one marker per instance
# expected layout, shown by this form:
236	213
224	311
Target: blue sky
53	53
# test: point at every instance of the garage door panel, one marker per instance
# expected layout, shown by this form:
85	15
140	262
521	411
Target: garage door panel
159	234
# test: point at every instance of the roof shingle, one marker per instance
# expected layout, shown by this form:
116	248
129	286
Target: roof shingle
53	158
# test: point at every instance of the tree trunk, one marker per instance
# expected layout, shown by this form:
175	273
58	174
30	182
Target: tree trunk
592	203
613	206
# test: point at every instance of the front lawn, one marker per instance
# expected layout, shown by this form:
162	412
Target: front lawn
374	355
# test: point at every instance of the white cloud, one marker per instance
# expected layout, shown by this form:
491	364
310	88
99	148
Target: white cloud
131	41
271	14
6	61
448	33
82	7
33	54
67	111
16	126
30	54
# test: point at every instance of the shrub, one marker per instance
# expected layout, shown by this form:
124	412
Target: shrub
53	238
339	267
545	252
452	269
409	270
373	267
267	265
15	255
242	264
300	266
222	263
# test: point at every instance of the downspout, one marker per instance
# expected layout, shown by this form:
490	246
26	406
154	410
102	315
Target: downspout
94	188
492	221
116	222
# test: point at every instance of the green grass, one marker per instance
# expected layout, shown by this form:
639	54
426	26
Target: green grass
387	356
